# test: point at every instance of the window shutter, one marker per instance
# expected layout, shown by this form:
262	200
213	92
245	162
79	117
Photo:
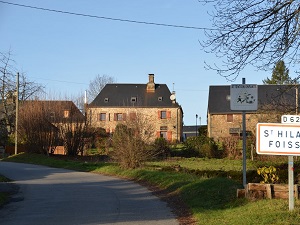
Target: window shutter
158	134
158	114
124	116
115	116
168	114
132	116
169	135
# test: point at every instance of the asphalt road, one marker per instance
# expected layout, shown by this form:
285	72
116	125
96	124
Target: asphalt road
51	196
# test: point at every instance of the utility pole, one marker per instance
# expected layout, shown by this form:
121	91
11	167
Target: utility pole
196	123
17	115
244	143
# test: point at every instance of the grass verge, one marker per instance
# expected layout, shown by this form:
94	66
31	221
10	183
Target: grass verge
212	200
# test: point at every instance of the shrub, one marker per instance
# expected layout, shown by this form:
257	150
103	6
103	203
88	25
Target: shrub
205	147
131	143
232	147
269	174
162	147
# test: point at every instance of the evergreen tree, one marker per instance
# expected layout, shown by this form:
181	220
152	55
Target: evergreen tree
280	75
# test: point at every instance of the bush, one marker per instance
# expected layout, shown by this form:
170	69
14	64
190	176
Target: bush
185	152
204	146
232	147
269	174
130	146
162	147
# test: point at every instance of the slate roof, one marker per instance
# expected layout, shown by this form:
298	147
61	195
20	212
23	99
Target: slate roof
123	95
279	95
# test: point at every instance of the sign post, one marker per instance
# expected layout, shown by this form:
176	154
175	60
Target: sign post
294	119
243	97
281	139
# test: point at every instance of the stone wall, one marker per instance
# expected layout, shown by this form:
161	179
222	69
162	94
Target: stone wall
172	123
219	127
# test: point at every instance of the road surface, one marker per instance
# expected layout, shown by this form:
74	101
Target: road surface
52	196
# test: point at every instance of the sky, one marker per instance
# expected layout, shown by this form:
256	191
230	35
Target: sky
64	52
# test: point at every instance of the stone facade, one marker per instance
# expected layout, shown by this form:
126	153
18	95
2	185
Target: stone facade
151	105
226	125
273	102
166	122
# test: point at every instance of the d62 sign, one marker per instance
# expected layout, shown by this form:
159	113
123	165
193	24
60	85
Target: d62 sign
290	119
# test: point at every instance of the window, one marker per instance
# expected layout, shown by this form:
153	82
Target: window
106	100
163	114
133	99
102	116
132	116
52	116
118	116
163	132
160	99
229	117
164	128
66	114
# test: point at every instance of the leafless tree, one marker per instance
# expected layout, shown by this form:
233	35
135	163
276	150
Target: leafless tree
37	132
27	90
97	84
73	131
132	142
253	32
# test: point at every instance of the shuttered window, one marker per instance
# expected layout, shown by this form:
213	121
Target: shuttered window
102	116
229	117
163	114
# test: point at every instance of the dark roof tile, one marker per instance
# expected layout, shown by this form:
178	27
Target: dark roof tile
219	101
133	95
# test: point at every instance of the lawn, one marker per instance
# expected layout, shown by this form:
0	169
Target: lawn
211	199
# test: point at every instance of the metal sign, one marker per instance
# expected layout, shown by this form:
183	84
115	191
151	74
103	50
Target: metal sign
243	97
290	119
278	139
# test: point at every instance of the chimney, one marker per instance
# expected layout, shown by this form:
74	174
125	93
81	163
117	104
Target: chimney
151	84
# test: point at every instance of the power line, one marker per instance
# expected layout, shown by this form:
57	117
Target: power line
60	81
105	18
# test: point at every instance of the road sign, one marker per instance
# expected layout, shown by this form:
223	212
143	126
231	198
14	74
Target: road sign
243	97
290	119
278	139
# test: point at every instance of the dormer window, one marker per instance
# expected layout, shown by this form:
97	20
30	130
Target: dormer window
66	114
52	116
105	100
160	99
133	99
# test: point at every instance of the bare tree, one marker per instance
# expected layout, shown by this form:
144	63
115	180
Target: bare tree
37	132
46	124
97	84
73	130
255	32
132	142
27	90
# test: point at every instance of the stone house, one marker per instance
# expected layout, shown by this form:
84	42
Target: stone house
53	113
120	103
273	102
